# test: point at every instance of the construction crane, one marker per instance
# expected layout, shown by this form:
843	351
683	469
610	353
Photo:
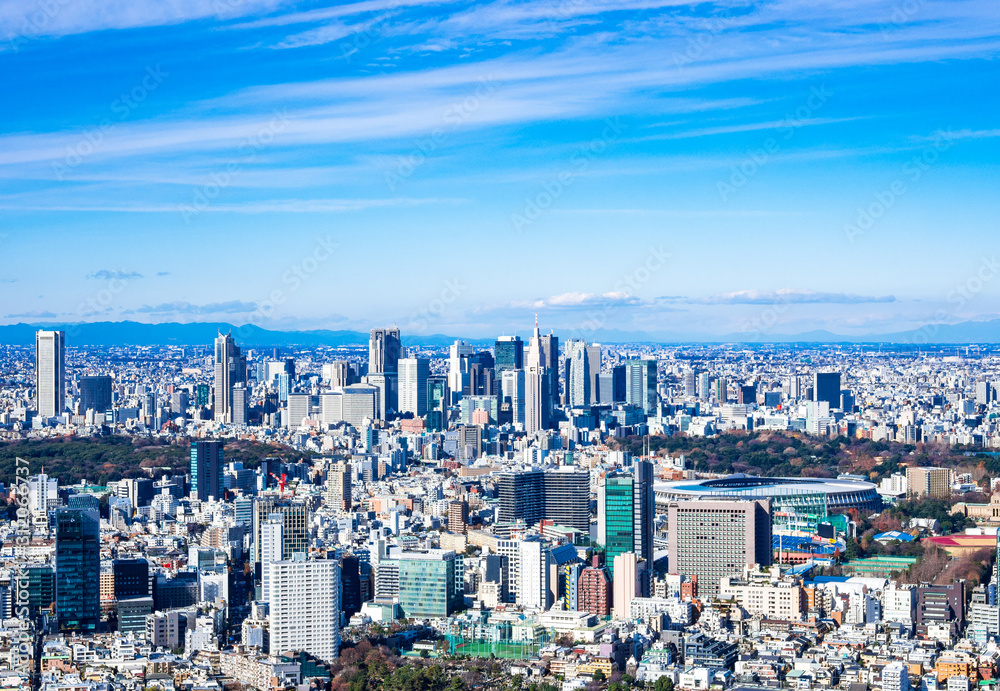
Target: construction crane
281	481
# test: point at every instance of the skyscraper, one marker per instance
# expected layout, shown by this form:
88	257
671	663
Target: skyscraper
95	394
578	394
304	606
714	538
640	384
384	348
206	470
230	369
50	373
826	387
338	487
512	390
413	374
508	354
561	495
626	507
535	399
431	583
78	569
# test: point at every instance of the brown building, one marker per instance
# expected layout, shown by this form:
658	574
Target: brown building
458	516
928	482
594	590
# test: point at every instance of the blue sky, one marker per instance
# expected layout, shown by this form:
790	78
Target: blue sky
456	167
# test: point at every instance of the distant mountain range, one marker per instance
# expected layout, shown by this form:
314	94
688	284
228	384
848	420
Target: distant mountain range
202	333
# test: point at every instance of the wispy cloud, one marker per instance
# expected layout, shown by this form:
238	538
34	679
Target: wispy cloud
33	314
182	307
108	274
776	297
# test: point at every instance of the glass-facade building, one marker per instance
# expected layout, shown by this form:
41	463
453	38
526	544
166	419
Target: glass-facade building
78	569
431	583
206	470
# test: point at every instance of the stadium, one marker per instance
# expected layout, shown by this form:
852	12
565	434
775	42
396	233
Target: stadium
800	496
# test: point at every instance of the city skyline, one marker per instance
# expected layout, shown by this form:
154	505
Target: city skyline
707	168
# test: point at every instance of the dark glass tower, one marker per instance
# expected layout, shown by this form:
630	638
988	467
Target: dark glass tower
95	394
78	569
206	470
508	354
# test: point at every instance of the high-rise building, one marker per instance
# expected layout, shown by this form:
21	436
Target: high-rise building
625	581
230	369
437	403
413	375
508	354
337	373
241	404
304	606
206	470
294	524
593	372
594	590
640	384
78	569
536	400
338	487
561	495
458	516
458	366
928	482
578	379
512	388
625	512
95	394
131	578
50	373
714	538
384	349
431	583
826	387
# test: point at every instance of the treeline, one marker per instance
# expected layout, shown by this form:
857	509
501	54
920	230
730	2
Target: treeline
104	459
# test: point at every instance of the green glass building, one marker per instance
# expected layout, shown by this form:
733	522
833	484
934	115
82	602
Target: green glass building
431	583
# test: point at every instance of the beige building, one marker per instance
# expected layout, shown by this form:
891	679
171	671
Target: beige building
928	482
784	600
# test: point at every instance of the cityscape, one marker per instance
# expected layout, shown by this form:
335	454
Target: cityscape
499	345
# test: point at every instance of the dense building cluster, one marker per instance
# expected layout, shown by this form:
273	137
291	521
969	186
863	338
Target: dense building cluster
476	500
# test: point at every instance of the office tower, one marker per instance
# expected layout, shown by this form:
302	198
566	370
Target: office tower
304	607
721	390
714	538
95	394
384	349
533	573
625	512
508	354
131	578
50	373
619	376
561	495
536	406
458	516
984	393
271	540
431	583
512	390
593	372
294	525
690	383
202	395
625	579
43	496
640	385
549	348
746	394
299	409
241	404
458	366
605	388
179	402
139	491
928	482
338	487
78	569
206	470
578	378
230	369
437	403
594	590
35	590
941	604
704	386
337	373
482	374
792	387
413	374
826	387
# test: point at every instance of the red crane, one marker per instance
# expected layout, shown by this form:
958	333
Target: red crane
281	481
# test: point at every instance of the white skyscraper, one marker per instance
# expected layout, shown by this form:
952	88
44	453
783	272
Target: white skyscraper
535	403
512	387
533	574
230	369
458	366
578	380
413	374
50	372
304	606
